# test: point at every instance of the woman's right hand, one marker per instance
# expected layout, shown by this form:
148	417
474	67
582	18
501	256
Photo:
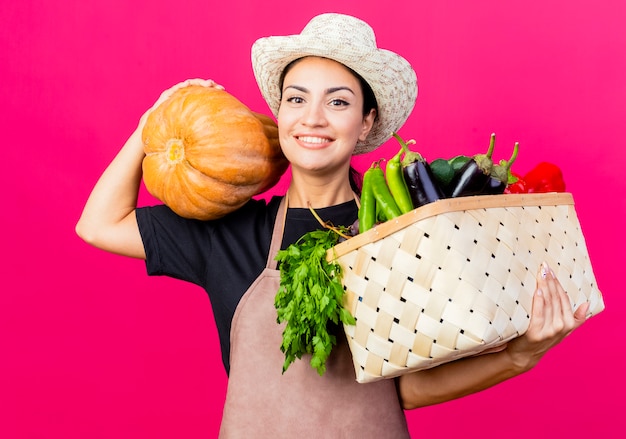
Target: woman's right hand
166	94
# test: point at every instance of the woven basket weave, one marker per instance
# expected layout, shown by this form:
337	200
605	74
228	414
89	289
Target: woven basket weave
456	277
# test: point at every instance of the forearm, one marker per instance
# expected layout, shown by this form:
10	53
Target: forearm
457	379
108	219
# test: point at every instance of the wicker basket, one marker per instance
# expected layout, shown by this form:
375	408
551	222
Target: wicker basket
456	277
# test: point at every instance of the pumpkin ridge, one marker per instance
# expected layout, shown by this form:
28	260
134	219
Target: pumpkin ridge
208	184
190	183
180	190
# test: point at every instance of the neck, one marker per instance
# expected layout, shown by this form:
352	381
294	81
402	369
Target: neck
316	193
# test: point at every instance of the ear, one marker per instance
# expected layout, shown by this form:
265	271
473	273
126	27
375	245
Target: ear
368	123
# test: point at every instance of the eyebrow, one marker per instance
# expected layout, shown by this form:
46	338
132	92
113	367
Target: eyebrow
327	91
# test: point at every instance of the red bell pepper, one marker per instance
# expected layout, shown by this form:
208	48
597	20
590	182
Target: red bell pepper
518	187
545	177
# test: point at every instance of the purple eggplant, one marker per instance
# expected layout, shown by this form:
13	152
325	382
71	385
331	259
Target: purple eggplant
474	176
422	185
500	174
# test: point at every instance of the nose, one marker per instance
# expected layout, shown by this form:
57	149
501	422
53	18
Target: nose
314	115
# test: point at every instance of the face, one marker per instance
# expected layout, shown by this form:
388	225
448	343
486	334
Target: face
321	117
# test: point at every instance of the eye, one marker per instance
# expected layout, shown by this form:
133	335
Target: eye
336	102
294	100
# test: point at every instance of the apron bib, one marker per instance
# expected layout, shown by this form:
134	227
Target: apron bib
262	402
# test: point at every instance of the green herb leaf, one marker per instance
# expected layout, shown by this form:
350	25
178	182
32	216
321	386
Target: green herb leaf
310	298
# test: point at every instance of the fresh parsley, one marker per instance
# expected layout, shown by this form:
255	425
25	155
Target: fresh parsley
310	297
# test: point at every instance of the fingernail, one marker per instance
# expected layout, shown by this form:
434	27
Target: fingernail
539	292
544	270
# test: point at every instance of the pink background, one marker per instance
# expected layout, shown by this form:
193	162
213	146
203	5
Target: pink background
90	347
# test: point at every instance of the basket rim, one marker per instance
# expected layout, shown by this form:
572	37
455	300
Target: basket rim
446	205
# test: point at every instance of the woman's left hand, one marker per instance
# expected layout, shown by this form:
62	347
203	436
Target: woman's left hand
552	320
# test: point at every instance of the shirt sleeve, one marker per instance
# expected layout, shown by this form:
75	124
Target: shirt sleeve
175	246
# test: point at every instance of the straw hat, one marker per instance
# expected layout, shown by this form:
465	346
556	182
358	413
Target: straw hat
351	42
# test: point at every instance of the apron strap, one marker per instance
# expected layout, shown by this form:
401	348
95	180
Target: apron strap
277	234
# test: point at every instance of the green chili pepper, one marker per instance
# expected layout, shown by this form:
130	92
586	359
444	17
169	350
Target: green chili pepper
367	211
380	215
382	194
397	183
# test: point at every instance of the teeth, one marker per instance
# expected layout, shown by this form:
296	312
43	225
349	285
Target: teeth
318	140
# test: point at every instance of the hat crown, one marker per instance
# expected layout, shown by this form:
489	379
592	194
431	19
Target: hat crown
342	30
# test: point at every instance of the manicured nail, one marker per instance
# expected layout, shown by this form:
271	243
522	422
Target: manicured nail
545	269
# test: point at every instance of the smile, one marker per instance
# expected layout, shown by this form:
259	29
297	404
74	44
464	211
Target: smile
313	140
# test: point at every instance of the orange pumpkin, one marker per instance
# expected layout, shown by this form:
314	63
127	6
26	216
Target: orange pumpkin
207	153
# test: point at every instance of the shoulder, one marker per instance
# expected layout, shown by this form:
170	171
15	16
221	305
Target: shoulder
255	217
254	209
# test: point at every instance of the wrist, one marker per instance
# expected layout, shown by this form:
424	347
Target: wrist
520	362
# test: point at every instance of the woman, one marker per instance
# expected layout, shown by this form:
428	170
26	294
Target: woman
334	94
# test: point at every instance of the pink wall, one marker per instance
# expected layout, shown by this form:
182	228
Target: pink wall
90	347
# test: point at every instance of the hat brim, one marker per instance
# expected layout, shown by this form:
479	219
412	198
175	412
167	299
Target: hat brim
390	76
